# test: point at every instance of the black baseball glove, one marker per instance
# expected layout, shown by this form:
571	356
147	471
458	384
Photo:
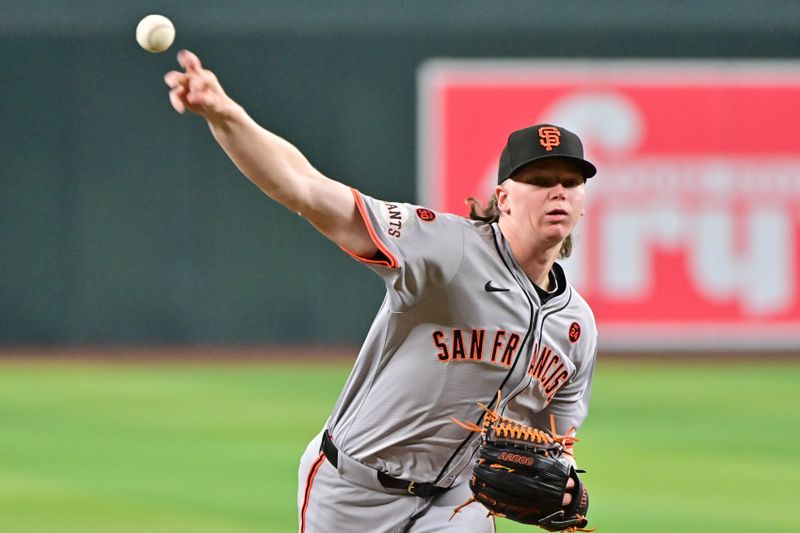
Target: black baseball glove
522	474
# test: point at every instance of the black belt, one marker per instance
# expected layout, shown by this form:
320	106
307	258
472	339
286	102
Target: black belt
423	490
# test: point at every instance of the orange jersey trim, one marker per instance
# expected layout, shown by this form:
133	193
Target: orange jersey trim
389	260
311	475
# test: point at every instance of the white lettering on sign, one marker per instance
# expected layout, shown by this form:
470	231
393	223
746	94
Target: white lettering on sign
759	273
731	218
744	257
627	239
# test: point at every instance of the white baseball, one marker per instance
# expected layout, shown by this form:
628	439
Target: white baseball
155	33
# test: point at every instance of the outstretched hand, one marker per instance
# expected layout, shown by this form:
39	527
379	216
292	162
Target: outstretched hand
196	89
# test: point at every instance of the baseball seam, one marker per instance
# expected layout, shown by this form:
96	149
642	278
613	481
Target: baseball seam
152	31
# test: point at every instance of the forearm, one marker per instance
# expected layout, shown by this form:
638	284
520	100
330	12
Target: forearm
273	164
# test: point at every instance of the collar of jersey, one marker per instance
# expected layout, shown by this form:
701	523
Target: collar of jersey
523	279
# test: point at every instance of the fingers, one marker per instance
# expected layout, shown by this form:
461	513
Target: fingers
177	82
188	89
197	83
174	78
176	97
567	499
195	89
189	61
200	92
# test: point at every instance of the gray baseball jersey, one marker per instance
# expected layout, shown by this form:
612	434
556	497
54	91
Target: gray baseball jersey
460	320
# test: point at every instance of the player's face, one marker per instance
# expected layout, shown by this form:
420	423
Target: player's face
545	198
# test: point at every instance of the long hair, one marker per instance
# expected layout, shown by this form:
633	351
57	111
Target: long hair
491	214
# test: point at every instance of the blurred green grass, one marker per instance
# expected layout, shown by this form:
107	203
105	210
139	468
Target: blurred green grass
205	447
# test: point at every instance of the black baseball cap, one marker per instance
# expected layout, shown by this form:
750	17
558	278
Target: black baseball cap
540	142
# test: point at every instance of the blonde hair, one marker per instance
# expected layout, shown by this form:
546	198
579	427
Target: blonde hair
491	214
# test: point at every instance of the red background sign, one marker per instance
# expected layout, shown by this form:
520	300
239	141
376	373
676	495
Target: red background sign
691	234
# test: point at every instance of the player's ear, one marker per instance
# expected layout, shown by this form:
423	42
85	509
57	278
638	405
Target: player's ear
501	194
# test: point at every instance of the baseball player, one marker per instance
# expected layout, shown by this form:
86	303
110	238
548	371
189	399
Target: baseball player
475	310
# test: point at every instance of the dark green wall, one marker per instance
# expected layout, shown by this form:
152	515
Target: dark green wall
123	222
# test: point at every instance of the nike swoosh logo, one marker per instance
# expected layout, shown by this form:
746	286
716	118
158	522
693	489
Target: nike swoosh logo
491	288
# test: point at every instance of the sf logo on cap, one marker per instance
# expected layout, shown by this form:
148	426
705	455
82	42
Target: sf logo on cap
549	136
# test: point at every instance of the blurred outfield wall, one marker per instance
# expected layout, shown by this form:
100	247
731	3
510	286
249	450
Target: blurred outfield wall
122	222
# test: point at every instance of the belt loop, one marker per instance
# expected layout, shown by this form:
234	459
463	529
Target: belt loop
329	449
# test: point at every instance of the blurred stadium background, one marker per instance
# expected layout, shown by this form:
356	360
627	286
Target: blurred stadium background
170	339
